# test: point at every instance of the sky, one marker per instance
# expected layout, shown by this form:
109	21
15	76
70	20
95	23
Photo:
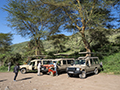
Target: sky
5	29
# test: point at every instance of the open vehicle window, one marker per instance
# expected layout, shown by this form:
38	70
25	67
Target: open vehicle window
70	61
32	63
91	61
64	61
47	62
96	61
81	62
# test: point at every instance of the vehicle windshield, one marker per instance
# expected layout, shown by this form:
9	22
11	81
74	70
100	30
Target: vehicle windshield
81	62
28	63
47	62
54	61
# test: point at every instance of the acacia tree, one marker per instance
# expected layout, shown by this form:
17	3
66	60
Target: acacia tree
58	41
28	21
5	42
81	15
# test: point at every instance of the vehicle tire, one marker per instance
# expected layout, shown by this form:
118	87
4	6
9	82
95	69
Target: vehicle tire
96	71
70	75
82	75
23	70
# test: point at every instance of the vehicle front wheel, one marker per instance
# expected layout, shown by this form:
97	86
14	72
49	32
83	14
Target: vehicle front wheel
82	75
23	71
70	75
96	71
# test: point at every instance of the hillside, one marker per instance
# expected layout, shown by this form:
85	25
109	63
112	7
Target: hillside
72	45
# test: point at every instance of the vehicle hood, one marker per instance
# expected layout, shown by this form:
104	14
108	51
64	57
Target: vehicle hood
23	66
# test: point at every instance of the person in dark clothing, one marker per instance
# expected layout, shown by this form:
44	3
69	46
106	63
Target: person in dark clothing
16	69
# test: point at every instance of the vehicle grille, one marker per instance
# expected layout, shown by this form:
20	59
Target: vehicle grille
71	69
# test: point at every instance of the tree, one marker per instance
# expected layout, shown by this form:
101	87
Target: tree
28	21
81	15
58	41
5	42
30	49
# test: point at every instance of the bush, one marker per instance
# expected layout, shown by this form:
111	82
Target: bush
5	69
111	64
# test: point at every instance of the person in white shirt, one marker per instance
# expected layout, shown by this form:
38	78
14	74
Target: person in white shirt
39	66
55	68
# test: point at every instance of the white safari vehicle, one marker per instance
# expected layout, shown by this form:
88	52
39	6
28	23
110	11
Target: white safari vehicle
83	66
32	65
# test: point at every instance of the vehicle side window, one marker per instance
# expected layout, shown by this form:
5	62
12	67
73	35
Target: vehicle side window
87	63
69	61
91	61
37	63
96	61
32	63
64	61
59	62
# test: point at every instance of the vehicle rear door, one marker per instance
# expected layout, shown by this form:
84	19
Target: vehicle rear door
88	66
64	66
32	66
92	66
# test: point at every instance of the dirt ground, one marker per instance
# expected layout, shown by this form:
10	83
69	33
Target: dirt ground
31	81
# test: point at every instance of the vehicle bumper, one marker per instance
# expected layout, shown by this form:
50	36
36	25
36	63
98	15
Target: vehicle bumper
74	72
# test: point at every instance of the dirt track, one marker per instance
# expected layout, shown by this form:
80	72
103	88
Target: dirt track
31	81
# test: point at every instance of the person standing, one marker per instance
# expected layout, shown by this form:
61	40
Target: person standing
9	66
101	65
39	66
55	68
16	69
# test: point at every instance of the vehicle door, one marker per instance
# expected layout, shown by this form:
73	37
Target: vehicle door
88	68
36	64
96	61
64	66
32	66
69	63
92	65
59	65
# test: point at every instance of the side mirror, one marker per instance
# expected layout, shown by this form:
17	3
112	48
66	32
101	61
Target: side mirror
58	64
88	65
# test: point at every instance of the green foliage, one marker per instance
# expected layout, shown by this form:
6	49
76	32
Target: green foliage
58	41
5	68
28	20
10	57
5	42
19	48
111	64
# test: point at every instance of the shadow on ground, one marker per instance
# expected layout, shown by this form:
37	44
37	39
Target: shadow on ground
25	78
88	75
3	80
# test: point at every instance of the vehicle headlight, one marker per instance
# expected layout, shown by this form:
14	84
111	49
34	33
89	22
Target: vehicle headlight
77	69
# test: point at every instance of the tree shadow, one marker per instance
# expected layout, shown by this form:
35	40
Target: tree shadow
25	78
3	80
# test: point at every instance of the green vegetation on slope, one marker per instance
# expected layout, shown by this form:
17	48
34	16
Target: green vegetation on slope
111	64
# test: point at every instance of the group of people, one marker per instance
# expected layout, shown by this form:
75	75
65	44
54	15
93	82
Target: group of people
16	69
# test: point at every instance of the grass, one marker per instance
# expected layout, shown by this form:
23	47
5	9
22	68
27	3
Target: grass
111	64
5	69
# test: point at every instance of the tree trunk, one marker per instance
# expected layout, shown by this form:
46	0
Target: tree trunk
37	48
87	45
